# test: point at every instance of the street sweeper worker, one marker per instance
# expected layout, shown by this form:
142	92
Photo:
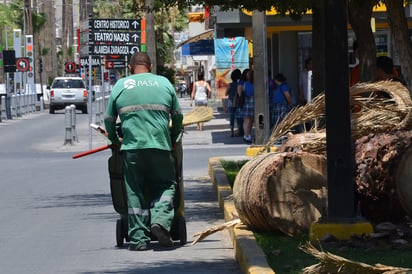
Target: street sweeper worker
145	103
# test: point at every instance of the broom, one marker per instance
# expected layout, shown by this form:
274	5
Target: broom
198	114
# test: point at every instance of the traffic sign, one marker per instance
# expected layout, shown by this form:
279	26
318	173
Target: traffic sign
114	37
9	58
114	62
70	67
100	49
22	64
114	24
84	62
109	65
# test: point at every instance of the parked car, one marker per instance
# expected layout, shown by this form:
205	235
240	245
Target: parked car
65	91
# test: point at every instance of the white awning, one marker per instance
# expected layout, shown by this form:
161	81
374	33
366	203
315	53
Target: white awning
207	35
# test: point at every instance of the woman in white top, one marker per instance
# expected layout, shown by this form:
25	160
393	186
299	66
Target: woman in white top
201	92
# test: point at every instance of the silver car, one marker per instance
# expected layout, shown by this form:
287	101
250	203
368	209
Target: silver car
65	91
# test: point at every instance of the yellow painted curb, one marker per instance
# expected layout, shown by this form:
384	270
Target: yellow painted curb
341	231
253	151
248	254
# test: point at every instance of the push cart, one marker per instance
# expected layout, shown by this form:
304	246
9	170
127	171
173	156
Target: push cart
119	198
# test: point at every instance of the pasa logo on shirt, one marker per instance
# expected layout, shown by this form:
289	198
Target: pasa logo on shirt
131	83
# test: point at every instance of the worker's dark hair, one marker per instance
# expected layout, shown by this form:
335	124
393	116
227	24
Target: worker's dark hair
385	63
140	58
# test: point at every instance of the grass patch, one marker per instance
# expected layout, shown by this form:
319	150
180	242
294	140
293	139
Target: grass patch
284	256
232	168
282	252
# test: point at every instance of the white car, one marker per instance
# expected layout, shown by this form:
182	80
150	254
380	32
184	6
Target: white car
65	91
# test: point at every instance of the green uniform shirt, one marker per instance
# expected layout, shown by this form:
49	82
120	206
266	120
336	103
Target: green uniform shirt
145	103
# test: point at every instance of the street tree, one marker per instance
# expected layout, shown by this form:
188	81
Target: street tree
399	28
359	15
6	13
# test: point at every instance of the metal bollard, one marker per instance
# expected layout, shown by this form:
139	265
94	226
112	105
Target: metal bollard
68	126
3	108
33	102
73	120
41	104
13	105
102	110
97	119
18	105
32	105
23	104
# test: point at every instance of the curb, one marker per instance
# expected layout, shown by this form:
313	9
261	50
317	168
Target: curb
248	253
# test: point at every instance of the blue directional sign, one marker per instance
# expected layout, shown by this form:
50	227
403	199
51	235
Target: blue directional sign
202	47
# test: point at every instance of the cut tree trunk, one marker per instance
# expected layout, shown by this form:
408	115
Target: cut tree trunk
281	191
287	191
383	175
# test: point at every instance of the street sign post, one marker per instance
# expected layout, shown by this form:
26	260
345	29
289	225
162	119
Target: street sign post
114	36
70	67
22	64
30	54
101	49
9	61
114	24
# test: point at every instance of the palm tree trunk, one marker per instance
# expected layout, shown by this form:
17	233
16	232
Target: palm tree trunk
399	29
28	27
70	7
48	40
360	13
150	35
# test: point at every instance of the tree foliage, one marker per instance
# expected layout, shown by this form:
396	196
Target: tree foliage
292	7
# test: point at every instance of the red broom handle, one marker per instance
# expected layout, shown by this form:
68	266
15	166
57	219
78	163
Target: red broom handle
90	151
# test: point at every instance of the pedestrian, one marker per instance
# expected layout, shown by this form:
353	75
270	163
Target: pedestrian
249	107
385	70
240	102
231	108
354	76
282	99
201	93
305	90
305	95
145	103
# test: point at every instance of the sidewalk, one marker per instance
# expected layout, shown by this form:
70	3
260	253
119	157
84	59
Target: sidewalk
248	254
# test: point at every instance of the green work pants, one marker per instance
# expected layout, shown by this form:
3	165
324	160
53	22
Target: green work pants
150	185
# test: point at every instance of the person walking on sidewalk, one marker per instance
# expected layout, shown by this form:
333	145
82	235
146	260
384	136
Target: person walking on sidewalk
145	102
201	92
231	106
249	107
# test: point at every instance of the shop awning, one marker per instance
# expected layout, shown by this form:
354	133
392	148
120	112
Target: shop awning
203	36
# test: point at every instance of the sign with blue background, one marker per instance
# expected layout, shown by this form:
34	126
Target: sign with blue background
202	47
232	53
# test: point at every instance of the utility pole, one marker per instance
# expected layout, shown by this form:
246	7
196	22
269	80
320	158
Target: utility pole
260	70
150	34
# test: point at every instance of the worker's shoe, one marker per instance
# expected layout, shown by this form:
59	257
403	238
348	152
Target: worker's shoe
138	247
161	234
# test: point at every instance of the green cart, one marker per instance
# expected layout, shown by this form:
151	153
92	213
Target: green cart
119	198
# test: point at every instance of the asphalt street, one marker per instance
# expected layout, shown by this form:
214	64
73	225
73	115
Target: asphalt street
57	216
